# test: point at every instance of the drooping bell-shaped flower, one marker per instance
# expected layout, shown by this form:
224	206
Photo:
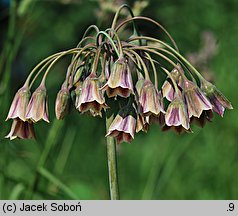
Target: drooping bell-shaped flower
150	100
37	108
19	104
195	99
168	88
217	99
21	129
176	115
62	103
91	98
205	117
120	80
123	126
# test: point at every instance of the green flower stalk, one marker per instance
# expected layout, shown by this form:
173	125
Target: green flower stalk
106	69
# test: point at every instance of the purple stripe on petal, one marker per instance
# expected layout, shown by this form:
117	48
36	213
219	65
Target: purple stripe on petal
174	118
217	107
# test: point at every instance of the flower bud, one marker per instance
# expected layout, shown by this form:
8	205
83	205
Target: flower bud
217	99
21	129
78	74
19	104
37	108
62	103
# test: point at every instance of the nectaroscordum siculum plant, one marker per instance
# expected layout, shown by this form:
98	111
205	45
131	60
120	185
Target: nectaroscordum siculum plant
117	78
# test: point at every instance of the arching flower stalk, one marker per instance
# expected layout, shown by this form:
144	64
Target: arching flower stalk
106	69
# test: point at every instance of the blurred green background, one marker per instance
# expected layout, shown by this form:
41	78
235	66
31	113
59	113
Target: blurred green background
68	159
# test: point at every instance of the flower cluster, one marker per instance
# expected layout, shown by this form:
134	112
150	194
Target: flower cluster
108	69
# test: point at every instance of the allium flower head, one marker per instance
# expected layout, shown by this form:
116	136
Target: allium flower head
19	104
150	100
217	99
37	108
21	129
123	126
120	80
176	114
62	103
110	68
91	98
195	99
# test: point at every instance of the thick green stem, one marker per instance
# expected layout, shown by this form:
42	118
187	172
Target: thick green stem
112	162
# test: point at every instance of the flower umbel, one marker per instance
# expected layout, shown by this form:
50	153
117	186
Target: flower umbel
108	68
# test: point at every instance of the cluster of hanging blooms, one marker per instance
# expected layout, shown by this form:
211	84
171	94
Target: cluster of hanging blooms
108	68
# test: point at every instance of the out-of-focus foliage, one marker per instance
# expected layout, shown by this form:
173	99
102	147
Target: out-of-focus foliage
68	160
